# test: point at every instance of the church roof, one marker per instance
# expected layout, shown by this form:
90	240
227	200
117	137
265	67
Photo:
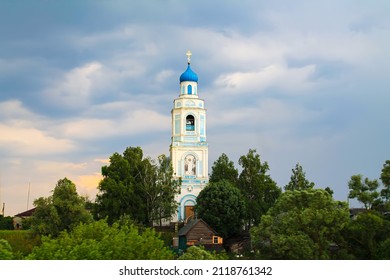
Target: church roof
189	75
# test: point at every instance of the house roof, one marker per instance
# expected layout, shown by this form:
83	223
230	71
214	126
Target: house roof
27	213
184	230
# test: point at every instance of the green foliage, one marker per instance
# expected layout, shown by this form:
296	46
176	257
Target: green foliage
100	241
259	190
200	253
298	181
223	169
301	225
162	191
62	211
365	191
5	250
365	232
21	241
385	178
221	206
138	187
329	190
6	223
383	250
385	175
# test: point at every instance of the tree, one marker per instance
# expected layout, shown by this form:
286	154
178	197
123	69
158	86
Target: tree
329	190
298	180
137	186
200	253
6	223
5	250
383	250
221	205
366	235
100	241
223	169
118	191
259	190
385	178
365	191
162	190
301	225
64	210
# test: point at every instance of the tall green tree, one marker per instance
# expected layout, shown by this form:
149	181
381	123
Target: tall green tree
162	191
136	186
221	205
385	178
100	241
61	211
365	191
223	169
298	180
259	190
367	236
301	225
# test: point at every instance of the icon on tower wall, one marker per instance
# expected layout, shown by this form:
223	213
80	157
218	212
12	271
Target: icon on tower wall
190	165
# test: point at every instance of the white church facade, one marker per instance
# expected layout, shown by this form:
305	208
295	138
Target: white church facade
189	148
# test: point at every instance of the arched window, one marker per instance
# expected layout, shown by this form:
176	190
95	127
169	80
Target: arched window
190	123
189	89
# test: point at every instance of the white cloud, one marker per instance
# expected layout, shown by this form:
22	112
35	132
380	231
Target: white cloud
279	76
164	75
25	133
75	87
28	141
14	109
131	123
267	114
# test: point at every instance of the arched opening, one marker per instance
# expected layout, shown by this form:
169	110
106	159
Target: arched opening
190	123
189	89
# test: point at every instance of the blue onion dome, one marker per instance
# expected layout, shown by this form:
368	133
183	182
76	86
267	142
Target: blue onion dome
189	75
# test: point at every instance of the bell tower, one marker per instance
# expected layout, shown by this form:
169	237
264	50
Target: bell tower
189	148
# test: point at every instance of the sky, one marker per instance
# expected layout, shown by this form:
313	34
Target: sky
300	81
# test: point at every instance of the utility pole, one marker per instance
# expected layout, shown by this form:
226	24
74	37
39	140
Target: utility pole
28	194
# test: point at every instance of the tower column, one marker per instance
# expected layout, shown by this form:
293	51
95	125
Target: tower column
189	148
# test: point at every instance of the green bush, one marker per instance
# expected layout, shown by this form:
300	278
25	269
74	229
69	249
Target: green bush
22	242
5	250
100	241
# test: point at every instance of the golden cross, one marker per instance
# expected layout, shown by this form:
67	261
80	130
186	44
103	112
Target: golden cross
188	54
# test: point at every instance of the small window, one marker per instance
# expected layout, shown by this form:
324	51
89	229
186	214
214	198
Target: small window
190	123
215	240
189	89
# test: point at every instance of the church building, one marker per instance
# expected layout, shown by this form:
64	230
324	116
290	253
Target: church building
189	148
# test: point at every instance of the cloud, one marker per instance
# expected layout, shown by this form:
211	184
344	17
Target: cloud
14	109
279	76
164	75
76	86
26	141
129	123
88	184
21	133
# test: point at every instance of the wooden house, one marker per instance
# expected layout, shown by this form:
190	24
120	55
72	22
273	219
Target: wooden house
18	218
198	232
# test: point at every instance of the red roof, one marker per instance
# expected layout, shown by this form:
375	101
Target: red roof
27	213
